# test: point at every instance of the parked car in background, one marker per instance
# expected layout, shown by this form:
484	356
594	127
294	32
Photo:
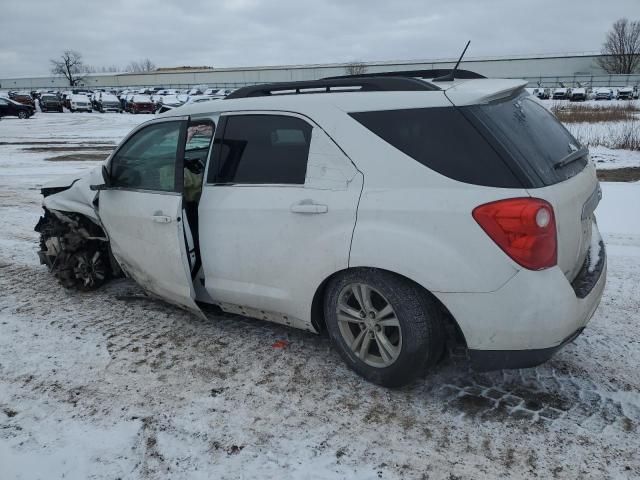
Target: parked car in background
560	94
578	94
212	92
126	100
50	103
66	99
156	98
197	90
80	103
140	104
11	108
169	102
542	93
625	93
107	102
22	97
604	94
122	96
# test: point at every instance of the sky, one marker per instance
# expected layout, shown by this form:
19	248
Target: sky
228	33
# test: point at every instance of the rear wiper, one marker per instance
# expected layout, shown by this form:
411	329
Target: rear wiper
572	157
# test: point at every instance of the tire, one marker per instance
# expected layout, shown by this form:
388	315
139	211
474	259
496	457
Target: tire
413	327
23	115
83	265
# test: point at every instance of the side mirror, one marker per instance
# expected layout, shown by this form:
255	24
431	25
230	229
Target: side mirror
107	181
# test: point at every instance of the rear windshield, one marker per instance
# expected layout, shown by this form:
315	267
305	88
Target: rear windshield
532	137
442	139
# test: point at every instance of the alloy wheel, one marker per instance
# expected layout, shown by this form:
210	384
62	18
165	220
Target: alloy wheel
369	325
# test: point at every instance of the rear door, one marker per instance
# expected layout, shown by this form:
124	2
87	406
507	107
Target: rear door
276	215
142	211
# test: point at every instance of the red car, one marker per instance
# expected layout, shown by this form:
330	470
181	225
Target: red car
23	98
141	104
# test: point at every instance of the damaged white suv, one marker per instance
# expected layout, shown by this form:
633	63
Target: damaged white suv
401	214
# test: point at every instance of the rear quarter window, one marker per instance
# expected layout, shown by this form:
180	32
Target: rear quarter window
443	140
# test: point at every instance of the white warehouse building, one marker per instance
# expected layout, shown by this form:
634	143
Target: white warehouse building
547	70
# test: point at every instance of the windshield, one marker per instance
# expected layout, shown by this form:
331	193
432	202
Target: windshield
532	136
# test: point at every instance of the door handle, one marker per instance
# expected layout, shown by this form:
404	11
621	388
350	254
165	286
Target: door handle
161	218
308	206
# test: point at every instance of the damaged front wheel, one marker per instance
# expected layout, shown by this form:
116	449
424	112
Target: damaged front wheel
90	269
75	251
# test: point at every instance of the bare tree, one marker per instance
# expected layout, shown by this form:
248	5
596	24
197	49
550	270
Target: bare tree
621	49
69	65
144	65
355	68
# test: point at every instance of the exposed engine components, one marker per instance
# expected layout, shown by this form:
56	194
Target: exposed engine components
75	250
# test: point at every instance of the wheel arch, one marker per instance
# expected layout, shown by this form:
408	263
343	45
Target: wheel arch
453	331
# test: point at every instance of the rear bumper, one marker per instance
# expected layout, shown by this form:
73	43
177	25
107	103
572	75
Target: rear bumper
486	360
530	318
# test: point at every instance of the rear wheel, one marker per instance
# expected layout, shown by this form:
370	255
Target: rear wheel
386	328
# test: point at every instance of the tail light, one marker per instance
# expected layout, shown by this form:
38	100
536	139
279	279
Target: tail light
525	228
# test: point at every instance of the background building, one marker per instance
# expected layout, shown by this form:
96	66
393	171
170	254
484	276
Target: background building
548	70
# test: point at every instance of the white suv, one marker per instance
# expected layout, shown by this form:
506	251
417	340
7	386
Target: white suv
400	214
80	103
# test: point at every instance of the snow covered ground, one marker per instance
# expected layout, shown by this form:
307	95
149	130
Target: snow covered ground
93	386
600	136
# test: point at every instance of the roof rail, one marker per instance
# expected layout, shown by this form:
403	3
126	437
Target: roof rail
335	85
440	72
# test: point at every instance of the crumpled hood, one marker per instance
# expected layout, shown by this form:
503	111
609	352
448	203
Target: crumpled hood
78	197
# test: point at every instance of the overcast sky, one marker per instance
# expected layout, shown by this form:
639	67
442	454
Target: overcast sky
229	33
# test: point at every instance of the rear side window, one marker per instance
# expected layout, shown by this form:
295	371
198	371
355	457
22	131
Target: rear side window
444	140
262	149
532	136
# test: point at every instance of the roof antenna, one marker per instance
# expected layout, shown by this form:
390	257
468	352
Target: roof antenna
449	77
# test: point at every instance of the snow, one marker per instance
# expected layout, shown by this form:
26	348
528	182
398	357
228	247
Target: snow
607	158
600	136
92	386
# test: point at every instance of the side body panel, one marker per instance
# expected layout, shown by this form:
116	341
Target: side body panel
418	223
267	248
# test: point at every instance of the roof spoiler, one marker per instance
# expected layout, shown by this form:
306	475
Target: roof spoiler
469	93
